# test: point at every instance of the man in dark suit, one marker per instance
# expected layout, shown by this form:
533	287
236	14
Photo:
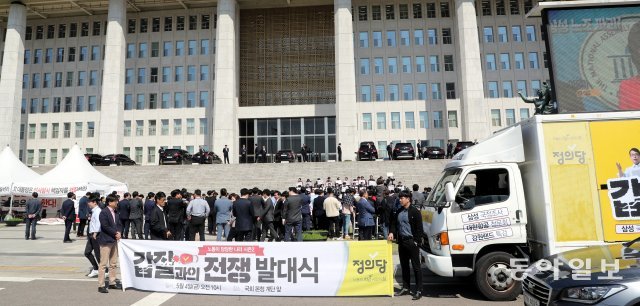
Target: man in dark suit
225	152
292	215
243	154
243	211
263	154
339	152
267	214
68	213
110	233
83	213
258	213
158	222
319	215
277	215
124	209
176	214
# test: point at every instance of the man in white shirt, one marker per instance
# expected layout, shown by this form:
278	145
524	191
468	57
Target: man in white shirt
92	243
634	170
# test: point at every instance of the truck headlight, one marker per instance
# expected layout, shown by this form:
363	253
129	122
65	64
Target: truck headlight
590	294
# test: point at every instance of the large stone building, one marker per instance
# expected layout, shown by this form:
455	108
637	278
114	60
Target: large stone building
131	76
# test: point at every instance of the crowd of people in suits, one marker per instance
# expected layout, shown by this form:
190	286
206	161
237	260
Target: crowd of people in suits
341	208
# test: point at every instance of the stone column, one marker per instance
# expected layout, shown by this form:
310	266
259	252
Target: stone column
11	81
226	89
475	112
346	112
111	127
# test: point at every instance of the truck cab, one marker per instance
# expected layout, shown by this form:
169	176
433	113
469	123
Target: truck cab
475	217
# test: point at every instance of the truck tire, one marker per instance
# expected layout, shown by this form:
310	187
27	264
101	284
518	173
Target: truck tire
492	277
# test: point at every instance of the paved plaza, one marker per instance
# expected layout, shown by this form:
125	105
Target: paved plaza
49	272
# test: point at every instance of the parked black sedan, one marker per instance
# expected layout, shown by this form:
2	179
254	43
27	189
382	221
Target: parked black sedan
404	150
206	157
367	151
117	159
285	155
433	153
94	159
176	156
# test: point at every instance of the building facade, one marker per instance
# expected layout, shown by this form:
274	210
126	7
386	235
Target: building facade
134	76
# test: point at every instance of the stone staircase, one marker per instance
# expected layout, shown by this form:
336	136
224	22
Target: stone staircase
273	176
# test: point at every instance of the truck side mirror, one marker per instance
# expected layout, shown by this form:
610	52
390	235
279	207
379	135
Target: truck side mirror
449	192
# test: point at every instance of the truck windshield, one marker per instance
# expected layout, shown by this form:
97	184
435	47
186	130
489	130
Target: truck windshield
437	194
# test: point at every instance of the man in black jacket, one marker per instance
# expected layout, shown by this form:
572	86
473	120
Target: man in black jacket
292	215
406	227
339	152
267	221
243	211
32	211
277	214
68	213
211	219
135	215
158	221
258	213
124	209
319	216
175	214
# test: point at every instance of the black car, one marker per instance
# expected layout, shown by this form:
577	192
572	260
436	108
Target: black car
596	275
285	155
404	150
367	151
433	153
94	159
175	156
461	145
206	157
117	159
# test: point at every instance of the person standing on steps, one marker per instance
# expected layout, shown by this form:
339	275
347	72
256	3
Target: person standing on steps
225	153
340	152
243	154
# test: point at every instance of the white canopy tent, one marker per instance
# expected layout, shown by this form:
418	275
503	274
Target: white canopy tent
12	171
72	174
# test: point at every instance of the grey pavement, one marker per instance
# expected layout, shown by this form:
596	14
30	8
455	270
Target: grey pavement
49	272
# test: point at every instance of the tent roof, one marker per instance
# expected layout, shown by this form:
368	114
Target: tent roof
13	170
74	169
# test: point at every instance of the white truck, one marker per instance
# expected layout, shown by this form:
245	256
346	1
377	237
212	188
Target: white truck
531	190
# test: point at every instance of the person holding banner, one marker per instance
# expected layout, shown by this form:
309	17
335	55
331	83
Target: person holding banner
110	233
406	228
158	219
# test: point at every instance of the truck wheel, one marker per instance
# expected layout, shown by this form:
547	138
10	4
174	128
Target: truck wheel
493	278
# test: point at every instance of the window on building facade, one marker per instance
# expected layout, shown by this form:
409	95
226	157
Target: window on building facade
392	64
521	86
488	34
378	65
516	33
168	24
524	113
437	120
418	36
391	39
420	64
495	118
393	92
504	61
510	116
376	12
451	90
365	93
403	11
407	92
406	64
377	39
417	10
434	63
507	90
492	88
424	120
533	60
486	7
432	35
381	121
531	33
436	93
395	121
366	122
363	39
379	93
362	13
448	62
84	29
431	10
500	8
405	39
452	117
518	59
514	7
444	9
364	66
177	126
390	13
503	37
446	36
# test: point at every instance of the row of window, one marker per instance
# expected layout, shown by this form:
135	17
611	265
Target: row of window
405	38
165	128
169	48
518	60
409	120
47	55
407	66
169	74
501	9
509	115
503	35
430	11
507	88
393	92
78	130
43	105
92	79
150	101
97	28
